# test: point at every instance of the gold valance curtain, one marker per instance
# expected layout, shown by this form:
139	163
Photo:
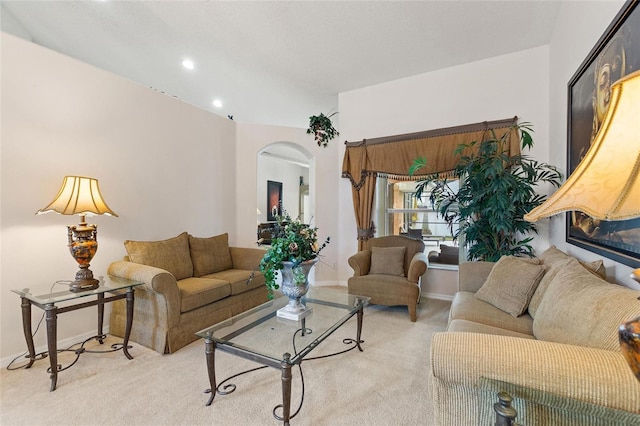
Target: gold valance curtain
392	156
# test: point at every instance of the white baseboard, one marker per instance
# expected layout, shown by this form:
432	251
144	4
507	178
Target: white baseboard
437	296
4	362
330	284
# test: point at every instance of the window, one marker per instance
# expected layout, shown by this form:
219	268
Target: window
401	213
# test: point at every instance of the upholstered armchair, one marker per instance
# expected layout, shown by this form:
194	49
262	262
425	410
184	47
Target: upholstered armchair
389	271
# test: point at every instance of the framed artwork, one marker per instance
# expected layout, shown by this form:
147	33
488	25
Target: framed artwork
616	54
274	200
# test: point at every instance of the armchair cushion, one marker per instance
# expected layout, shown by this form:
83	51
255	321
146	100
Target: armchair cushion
172	255
388	261
210	255
509	294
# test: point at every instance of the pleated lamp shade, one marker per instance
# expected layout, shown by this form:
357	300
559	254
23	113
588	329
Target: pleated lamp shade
78	195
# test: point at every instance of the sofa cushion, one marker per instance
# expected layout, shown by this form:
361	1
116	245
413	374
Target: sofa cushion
197	292
210	255
468	307
582	309
239	279
511	284
172	255
553	261
465	326
387	261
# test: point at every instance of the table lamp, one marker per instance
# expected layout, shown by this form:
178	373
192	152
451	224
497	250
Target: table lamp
606	183
80	195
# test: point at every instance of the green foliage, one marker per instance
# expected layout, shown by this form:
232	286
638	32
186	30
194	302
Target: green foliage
496	191
322	129
292	241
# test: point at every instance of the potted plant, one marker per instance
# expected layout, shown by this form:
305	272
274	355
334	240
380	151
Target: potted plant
294	251
322	129
496	191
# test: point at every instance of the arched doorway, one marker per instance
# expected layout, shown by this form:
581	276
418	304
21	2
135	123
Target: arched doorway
289	169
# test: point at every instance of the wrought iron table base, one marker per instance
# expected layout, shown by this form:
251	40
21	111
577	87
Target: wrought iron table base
224	388
51	317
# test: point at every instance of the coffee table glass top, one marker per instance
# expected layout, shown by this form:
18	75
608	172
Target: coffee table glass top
59	291
259	331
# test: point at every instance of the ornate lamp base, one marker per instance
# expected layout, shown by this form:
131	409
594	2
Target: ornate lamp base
84	281
83	245
629	334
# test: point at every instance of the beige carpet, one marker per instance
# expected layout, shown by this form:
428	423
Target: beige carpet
387	384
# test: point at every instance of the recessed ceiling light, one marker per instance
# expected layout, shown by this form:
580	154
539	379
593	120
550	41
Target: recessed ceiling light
217	103
188	64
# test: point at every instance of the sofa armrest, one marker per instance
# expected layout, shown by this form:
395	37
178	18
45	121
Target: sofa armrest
247	259
595	376
157	281
360	263
471	275
417	267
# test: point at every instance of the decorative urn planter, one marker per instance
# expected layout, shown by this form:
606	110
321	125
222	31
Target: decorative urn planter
295	284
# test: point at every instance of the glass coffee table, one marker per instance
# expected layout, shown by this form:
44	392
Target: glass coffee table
260	336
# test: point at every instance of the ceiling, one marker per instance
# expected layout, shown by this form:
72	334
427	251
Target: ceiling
278	62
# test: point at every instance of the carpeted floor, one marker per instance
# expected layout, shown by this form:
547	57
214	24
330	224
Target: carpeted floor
387	384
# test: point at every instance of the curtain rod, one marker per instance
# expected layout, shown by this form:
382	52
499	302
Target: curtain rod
466	128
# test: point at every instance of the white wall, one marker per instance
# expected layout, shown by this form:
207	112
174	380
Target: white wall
160	163
531	84
164	167
491	89
578	28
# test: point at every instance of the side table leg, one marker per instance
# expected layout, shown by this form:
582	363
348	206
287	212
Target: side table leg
286	389
51	313
26	328
100	317
210	352
127	330
360	316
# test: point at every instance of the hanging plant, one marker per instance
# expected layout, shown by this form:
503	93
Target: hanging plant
322	129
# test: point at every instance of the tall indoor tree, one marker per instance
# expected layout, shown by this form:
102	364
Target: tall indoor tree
496	190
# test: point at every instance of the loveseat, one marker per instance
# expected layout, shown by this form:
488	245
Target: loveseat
543	330
190	283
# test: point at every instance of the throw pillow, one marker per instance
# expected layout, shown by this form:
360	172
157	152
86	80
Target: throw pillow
582	309
210	255
554	260
511	284
172	255
387	261
552	255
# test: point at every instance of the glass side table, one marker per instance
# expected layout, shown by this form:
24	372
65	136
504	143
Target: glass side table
49	299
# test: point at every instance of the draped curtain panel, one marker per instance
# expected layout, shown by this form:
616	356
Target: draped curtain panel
392	156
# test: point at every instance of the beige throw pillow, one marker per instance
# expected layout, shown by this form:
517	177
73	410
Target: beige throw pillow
582	309
387	261
172	255
511	284
554	260
210	255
